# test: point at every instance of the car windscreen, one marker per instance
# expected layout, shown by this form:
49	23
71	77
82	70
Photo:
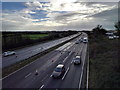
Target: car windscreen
76	59
58	69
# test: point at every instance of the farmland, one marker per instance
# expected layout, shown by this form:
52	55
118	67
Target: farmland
35	36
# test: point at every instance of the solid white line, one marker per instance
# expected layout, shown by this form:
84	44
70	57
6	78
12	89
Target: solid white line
81	74
65	73
28	75
41	87
50	75
88	70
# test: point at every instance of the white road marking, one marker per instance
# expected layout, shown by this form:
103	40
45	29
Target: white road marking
65	59
17	70
87	69
28	75
41	87
67	56
70	53
74	48
50	75
65	73
38	49
81	73
64	47
44	78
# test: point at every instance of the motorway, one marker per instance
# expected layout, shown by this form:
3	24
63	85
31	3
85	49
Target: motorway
24	53
26	78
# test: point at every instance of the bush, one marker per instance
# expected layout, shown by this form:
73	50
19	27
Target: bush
104	63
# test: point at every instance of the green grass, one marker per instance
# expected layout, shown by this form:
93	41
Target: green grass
35	36
104	63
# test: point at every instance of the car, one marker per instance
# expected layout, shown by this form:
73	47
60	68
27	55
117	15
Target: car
80	40
77	42
8	53
59	71
85	40
77	60
111	37
116	37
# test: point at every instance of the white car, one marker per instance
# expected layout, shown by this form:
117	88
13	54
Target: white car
116	37
77	60
85	40
8	53
111	37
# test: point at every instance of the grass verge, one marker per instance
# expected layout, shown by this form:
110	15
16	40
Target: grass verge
104	63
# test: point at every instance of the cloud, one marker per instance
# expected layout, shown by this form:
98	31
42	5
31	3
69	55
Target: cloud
33	4
60	15
27	11
62	0
106	19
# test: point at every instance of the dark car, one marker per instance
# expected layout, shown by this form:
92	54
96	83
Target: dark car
77	42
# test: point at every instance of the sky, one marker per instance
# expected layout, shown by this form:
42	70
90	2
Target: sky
58	15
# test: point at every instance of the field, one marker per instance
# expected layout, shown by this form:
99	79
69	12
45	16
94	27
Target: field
104	63
15	40
35	36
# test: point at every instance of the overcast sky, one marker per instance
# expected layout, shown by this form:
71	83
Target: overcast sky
58	15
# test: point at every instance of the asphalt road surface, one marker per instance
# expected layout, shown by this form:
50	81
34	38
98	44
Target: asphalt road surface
26	78
27	52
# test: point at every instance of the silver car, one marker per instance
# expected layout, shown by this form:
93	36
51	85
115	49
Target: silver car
8	53
77	60
59	71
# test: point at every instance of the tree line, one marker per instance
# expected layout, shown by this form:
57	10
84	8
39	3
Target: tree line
11	40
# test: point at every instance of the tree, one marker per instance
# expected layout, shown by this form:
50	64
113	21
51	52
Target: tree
99	30
117	26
